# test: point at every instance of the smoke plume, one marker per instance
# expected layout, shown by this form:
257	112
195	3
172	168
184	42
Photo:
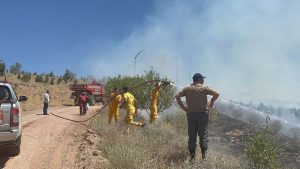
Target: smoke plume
247	49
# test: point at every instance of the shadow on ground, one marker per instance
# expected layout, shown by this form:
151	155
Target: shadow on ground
3	159
68	105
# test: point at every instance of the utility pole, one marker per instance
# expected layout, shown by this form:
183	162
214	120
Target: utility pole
135	60
176	70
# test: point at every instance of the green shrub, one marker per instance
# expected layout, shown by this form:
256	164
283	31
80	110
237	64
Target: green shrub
261	152
52	81
26	78
39	78
59	80
143	93
46	79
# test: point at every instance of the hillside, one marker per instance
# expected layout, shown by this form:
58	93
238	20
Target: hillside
59	93
235	134
228	139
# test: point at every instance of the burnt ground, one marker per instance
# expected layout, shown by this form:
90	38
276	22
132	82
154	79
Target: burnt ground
235	134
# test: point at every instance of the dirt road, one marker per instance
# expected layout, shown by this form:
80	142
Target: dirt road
48	141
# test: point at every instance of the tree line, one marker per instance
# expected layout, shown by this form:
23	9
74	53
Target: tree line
142	94
278	111
24	76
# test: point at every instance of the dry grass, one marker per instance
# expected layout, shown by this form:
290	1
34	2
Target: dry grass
59	93
161	145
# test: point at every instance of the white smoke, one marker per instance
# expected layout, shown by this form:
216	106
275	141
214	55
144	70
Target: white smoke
247	49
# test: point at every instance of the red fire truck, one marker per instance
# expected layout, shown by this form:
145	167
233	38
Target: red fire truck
95	91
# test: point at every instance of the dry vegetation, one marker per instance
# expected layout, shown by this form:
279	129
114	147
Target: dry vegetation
59	93
162	145
237	134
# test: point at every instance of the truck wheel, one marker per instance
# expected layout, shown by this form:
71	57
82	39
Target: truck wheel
14	150
76	102
91	101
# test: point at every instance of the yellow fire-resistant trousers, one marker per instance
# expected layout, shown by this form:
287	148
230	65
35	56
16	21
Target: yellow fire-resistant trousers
113	112
153	114
129	118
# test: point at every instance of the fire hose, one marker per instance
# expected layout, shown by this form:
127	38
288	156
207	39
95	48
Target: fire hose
163	83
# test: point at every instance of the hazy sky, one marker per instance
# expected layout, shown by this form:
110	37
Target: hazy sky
246	48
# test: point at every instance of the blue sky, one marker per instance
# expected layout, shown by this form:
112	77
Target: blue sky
249	50
55	35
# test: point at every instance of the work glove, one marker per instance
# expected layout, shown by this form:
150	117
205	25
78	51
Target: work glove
165	83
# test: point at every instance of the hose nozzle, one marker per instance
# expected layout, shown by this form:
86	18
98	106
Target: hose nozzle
165	83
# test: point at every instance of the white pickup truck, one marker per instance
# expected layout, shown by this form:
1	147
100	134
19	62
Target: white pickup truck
10	120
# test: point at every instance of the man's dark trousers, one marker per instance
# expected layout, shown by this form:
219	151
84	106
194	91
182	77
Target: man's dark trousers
45	110
197	124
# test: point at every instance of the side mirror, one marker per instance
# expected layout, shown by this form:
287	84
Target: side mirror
22	98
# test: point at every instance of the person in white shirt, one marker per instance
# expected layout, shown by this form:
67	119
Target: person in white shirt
46	102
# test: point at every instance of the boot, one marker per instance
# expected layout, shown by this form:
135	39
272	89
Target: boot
204	156
192	155
203	152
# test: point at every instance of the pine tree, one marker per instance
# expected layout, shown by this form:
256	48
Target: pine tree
46	79
51	74
39	78
2	68
16	68
69	75
52	81
59	80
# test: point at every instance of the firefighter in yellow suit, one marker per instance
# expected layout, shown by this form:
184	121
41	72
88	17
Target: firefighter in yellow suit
130	103
114	106
154	102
